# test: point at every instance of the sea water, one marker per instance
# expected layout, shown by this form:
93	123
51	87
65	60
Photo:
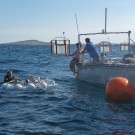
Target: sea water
72	107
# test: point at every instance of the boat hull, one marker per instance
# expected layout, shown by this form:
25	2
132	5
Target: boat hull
100	74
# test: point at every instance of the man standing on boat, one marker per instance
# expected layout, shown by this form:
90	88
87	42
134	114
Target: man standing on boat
91	50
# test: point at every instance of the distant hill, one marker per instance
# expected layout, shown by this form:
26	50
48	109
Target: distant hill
28	42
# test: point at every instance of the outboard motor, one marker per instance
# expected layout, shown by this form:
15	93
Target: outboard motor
103	58
128	58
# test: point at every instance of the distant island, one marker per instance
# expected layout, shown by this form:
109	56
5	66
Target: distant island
27	42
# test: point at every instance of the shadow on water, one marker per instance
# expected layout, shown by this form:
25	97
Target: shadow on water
99	113
124	106
122	118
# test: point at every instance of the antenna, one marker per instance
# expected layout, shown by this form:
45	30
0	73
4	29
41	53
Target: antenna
77	28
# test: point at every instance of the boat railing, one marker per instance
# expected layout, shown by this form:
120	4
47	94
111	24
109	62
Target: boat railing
133	46
114	60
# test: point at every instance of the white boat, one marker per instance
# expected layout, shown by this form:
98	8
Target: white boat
100	73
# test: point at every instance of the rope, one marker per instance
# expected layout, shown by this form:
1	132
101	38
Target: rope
125	70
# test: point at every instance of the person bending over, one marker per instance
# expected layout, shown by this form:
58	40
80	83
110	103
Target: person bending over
91	50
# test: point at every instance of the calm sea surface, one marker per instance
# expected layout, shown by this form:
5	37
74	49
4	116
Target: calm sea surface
70	108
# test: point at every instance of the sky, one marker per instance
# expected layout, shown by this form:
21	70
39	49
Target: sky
44	20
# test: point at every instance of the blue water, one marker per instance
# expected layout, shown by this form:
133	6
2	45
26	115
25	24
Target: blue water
70	108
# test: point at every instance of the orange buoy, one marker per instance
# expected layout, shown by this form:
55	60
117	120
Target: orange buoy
119	89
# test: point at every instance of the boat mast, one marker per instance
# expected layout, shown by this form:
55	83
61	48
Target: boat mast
129	46
105	18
